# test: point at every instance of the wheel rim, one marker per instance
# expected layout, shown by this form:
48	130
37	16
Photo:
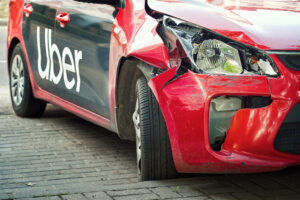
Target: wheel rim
136	121
17	80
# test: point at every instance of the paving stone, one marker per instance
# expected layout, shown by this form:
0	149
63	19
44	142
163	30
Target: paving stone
138	197
97	196
266	183
223	197
128	192
246	196
30	192
194	198
284	197
165	192
275	193
43	198
187	191
3	196
246	184
220	190
73	197
289	180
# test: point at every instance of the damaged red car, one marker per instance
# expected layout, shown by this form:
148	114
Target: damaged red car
202	86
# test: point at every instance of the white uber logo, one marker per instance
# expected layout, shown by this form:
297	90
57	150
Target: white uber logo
64	67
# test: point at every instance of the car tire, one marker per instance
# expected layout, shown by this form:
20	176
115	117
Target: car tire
23	102
154	155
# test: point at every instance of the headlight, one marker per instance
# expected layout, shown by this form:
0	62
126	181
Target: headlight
201	50
214	56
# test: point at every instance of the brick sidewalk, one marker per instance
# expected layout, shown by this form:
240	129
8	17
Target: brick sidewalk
63	157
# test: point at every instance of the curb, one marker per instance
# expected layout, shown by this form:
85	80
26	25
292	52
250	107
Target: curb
3	22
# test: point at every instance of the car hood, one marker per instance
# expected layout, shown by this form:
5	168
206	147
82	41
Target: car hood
267	25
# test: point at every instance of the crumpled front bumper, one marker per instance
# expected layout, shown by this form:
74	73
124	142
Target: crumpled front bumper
249	144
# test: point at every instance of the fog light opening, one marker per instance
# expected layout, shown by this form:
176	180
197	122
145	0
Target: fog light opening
221	111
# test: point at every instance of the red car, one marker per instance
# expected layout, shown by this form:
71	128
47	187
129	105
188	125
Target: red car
201	86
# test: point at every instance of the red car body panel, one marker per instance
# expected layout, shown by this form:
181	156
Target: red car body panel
247	148
185	101
130	42
15	32
262	24
122	45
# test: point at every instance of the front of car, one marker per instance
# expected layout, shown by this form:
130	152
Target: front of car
231	99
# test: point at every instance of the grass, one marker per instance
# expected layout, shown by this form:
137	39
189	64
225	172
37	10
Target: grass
4	9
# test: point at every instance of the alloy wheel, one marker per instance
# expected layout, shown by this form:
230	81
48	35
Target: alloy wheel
17	80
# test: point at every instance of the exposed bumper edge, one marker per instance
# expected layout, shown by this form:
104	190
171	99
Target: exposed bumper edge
185	106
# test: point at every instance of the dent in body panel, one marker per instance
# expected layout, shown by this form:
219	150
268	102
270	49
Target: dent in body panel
243	22
185	105
138	38
133	36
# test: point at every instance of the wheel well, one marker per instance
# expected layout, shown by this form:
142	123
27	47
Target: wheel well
130	71
13	44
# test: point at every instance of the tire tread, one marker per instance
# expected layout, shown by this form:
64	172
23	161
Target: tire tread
157	159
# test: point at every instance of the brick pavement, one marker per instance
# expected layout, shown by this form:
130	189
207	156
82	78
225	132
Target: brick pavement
60	157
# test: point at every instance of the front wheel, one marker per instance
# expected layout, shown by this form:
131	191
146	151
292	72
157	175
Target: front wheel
153	149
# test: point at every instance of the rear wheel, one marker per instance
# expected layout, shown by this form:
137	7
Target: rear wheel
23	102
153	149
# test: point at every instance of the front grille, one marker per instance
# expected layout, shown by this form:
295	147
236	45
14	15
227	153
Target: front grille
291	61
288	136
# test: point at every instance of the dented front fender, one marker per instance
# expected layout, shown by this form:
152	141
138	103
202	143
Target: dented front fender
185	105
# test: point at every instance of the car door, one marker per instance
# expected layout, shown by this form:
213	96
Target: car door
38	34
83	32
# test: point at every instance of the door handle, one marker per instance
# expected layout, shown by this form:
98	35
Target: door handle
63	19
28	9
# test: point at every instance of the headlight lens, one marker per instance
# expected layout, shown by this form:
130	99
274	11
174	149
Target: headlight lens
211	53
214	56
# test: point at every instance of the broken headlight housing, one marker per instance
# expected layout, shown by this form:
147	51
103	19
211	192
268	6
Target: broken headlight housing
191	47
200	50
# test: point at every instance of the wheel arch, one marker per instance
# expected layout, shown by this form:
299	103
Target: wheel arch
12	45
130	69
